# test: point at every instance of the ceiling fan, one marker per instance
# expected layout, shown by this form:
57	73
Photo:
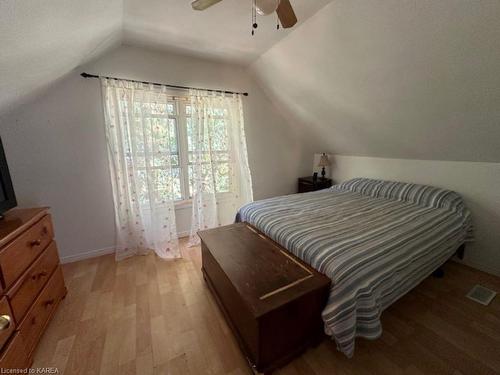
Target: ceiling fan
283	8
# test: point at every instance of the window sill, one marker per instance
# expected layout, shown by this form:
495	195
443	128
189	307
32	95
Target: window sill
188	203
183	204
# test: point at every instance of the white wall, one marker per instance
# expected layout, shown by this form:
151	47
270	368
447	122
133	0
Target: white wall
56	149
409	79
477	182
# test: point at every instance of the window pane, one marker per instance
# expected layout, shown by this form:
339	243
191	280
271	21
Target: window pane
220	156
214	155
163	160
158	108
220	112
219	135
222	178
205	178
171	108
163	185
165	135
137	135
168	185
139	161
191	180
174	159
172	135
190	135
142	187
176	183
221	173
153	138
204	157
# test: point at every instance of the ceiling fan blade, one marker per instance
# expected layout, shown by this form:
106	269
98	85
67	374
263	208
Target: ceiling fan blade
203	4
286	14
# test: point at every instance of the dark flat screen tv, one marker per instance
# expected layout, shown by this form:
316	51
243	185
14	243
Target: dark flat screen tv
7	196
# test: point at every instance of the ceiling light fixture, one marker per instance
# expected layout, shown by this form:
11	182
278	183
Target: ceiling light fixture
284	10
263	8
266	7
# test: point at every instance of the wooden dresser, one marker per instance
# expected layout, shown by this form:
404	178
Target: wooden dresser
31	283
271	300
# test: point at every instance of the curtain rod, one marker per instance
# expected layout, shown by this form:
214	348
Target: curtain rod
87	75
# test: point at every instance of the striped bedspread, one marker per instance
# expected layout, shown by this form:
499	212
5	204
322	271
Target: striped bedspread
376	240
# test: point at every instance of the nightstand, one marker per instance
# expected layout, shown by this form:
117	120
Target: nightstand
308	184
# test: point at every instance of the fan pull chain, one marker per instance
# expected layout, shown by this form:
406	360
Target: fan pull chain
254	16
277	22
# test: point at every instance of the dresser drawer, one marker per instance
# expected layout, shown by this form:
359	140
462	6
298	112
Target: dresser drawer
19	254
14	356
36	319
24	291
7	324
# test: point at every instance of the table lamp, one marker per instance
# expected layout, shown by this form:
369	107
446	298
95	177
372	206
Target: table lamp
323	162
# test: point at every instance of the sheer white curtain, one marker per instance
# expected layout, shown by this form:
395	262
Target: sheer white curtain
221	180
141	144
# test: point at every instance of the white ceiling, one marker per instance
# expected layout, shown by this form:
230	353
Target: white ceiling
41	41
221	31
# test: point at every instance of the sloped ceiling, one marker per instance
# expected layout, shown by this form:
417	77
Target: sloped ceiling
222	31
404	79
41	41
401	79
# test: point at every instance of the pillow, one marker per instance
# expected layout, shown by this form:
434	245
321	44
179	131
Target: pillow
423	195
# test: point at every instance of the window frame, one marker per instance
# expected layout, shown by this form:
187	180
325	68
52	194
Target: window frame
181	120
168	116
184	164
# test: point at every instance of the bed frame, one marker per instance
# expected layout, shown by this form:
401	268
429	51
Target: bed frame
439	273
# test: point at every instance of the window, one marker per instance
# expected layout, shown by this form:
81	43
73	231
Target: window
165	138
218	148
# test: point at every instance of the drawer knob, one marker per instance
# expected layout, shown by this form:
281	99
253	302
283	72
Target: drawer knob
49	302
35	243
4	322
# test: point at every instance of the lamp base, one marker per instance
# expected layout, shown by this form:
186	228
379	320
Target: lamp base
323	172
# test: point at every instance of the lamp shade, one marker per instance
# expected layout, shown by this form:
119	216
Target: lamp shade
323	161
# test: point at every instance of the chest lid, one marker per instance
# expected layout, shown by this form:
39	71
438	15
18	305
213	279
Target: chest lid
264	274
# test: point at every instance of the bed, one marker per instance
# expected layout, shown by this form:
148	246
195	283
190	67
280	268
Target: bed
376	240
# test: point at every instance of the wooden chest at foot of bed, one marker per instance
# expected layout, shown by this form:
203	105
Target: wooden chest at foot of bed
271	300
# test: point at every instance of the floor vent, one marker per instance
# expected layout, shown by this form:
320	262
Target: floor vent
481	295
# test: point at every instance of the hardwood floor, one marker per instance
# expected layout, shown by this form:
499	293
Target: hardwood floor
147	316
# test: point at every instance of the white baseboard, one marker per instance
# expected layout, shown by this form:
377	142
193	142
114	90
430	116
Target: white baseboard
87	255
100	252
